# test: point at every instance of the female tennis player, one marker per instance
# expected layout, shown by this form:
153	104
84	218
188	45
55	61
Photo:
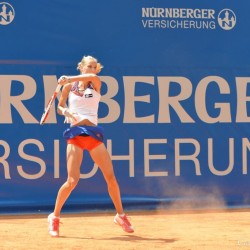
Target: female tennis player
83	93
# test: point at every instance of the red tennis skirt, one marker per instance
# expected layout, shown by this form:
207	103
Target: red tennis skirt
84	142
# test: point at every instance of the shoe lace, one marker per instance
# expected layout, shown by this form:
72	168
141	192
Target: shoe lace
55	224
126	220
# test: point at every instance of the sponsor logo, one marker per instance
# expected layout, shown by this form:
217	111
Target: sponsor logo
227	19
183	18
7	13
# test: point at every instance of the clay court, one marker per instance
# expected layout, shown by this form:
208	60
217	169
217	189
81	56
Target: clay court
183	230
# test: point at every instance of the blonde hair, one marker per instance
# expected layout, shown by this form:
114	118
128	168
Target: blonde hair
86	59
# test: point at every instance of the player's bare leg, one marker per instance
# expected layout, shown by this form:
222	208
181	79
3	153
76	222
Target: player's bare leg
101	157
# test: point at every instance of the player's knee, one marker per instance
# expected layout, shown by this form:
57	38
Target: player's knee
72	182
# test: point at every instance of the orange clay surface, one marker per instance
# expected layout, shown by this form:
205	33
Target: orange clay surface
213	230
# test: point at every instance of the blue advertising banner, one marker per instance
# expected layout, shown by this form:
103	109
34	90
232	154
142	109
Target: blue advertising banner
175	101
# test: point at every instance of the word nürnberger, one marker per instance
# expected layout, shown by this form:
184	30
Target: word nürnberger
178	13
201	96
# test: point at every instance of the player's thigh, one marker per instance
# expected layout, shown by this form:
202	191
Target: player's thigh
74	160
102	158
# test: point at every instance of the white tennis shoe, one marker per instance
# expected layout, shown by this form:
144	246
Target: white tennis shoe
53	225
123	221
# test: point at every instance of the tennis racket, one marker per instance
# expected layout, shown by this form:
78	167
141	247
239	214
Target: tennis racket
47	108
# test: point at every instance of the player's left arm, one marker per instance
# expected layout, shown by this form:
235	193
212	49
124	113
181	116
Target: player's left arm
93	78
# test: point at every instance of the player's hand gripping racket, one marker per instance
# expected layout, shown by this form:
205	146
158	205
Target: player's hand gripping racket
47	108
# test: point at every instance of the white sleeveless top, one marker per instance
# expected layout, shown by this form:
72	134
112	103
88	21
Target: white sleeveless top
85	104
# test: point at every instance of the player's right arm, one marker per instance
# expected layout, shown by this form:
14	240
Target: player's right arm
63	98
